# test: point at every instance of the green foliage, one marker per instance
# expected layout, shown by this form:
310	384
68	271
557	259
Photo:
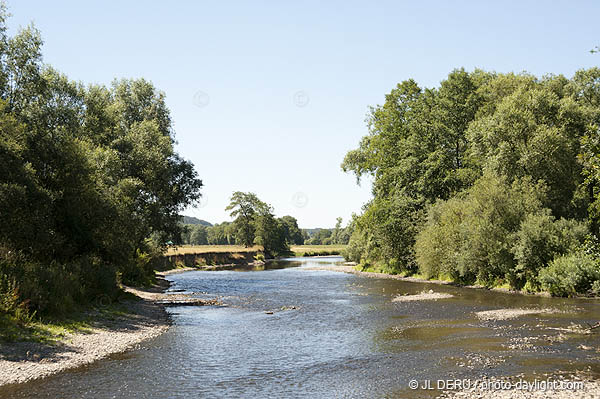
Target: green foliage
386	231
319	237
341	235
571	274
140	271
502	167
11	303
87	175
244	208
336	236
293	235
534	132
221	234
494	232
539	240
255	223
199	235
271	234
357	246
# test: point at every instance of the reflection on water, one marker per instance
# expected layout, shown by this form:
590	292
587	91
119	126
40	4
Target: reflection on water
292	331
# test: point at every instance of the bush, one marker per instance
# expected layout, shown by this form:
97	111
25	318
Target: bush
438	245
387	231
140	271
539	240
470	236
356	246
494	233
52	288
569	275
10	301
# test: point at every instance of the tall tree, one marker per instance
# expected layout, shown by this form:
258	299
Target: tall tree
292	231
244	208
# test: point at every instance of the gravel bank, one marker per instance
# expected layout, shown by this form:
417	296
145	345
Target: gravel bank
505	314
423	296
351	269
24	361
569	390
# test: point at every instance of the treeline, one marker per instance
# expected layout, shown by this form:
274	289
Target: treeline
337	235
489	178
225	234
90	184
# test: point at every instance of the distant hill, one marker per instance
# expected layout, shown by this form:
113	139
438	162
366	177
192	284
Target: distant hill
193	220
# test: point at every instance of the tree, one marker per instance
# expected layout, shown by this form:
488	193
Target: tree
199	235
244	208
292	231
89	182
535	131
442	160
270	233
221	234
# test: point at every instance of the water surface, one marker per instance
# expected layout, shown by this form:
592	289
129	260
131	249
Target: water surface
329	335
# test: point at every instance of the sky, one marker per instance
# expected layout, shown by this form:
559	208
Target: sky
268	96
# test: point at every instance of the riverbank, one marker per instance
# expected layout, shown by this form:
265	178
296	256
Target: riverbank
107	331
573	387
349	267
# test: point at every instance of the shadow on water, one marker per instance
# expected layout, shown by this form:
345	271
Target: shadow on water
289	330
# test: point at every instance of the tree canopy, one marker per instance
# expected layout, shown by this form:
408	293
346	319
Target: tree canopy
472	177
90	182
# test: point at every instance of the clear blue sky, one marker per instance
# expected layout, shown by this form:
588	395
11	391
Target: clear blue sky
251	57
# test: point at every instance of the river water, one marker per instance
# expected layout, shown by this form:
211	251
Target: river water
330	335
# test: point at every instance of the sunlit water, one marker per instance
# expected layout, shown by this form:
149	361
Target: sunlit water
346	338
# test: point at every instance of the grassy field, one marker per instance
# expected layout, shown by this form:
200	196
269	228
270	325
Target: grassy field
299	250
317	250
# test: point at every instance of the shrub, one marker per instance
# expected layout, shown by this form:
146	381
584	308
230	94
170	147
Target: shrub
356	247
494	233
470	236
51	288
438	245
11	303
387	231
568	275
539	240
139	271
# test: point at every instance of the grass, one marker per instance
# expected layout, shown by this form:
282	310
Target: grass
43	331
202	249
54	330
317	250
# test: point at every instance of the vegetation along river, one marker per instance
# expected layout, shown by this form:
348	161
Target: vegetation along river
330	334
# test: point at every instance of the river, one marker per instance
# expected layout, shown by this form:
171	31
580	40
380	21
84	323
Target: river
330	335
